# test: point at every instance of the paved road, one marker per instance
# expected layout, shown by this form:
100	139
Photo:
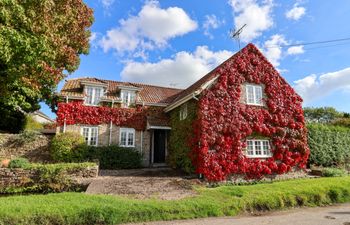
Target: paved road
333	215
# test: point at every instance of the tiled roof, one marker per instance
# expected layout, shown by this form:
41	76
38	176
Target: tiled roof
148	93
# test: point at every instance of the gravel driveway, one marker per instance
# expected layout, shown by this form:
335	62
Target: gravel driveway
165	184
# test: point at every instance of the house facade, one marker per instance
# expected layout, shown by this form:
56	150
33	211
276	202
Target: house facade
241	118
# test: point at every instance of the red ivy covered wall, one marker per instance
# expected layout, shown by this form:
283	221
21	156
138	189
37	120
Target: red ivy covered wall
224	122
77	113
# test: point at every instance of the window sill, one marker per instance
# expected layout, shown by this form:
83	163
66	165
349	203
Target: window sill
125	146
253	104
258	156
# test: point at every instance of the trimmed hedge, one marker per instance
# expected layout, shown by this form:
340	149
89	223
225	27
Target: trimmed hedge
329	145
115	157
68	147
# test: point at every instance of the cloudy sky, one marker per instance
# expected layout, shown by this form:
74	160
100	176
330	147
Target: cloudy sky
174	43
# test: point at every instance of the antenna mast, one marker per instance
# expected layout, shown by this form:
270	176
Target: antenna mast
234	34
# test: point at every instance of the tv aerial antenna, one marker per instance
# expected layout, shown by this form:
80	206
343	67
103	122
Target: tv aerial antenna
235	34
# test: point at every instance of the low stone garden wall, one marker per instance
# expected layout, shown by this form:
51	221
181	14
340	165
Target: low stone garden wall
18	177
37	150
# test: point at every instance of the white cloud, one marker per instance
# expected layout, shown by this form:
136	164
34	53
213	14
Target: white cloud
180	71
151	28
272	48
258	17
313	87
295	50
296	12
211	22
107	3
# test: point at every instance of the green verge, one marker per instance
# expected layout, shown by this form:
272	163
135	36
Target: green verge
79	208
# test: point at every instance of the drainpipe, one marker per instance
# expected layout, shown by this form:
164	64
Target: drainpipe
194	97
64	123
141	141
110	128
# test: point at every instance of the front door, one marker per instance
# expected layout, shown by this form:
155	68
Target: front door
159	146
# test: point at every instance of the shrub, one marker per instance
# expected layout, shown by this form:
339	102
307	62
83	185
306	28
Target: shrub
19	163
333	172
115	157
68	147
329	145
26	136
31	124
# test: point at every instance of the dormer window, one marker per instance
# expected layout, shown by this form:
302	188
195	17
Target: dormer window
128	98
254	94
93	95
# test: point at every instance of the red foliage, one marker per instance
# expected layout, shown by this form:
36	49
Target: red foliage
224	122
77	113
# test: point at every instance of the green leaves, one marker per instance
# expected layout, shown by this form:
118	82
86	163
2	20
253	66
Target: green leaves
39	39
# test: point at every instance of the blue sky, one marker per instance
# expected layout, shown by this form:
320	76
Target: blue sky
174	43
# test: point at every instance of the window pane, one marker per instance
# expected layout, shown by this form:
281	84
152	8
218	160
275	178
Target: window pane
258	148
130	139
266	148
250	148
89	91
258	95
123	138
250	94
93	138
86	134
97	96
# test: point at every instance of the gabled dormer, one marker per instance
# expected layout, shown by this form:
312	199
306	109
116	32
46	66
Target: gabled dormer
93	92
128	95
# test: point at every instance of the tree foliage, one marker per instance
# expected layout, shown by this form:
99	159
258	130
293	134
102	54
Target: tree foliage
321	114
39	40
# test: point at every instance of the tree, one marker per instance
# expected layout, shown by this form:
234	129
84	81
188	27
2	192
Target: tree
39	40
322	114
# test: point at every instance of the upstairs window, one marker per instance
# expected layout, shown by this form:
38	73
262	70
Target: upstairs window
128	98
93	95
127	137
183	111
254	94
258	149
91	135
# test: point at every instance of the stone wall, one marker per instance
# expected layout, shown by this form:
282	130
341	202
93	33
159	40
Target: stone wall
142	138
35	151
25	177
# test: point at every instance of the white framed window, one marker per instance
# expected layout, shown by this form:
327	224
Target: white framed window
128	98
127	137
183	111
254	94
93	95
258	149
91	135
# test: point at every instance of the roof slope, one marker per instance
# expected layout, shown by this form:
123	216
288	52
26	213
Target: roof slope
148	94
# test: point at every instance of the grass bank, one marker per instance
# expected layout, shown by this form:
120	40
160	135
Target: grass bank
79	208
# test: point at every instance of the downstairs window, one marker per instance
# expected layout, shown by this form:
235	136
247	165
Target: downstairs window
258	149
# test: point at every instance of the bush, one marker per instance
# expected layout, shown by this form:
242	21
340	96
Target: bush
333	172
19	163
68	147
329	145
26	136
31	124
115	157
51	178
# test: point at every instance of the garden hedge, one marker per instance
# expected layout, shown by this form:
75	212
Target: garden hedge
329	145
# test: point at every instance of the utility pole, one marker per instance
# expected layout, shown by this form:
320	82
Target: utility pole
234	34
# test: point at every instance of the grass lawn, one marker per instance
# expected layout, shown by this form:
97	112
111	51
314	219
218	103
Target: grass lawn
80	208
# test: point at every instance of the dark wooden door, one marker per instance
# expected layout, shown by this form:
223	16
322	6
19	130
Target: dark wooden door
159	146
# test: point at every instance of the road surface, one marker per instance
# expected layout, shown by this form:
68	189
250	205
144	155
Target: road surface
332	215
